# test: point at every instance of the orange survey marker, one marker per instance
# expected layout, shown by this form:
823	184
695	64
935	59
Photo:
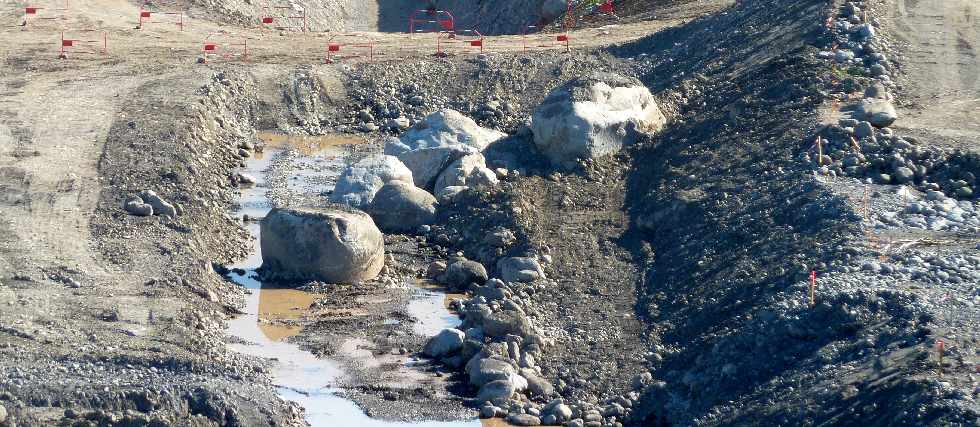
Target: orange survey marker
222	45
431	21
532	39
36	14
173	16
940	349
359	47
283	16
84	43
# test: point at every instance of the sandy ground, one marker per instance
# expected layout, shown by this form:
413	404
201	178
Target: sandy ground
940	42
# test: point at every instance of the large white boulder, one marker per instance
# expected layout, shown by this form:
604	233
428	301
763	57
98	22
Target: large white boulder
592	117
427	163
333	245
444	128
402	207
470	170
358	183
437	142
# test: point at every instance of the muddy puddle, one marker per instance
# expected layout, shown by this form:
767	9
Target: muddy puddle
273	315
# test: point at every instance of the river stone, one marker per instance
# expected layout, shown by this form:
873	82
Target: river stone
160	206
483	370
520	269
3	414
496	392
864	130
135	206
538	386
877	91
332	244
402	207
449	194
562	412
445	343
594	116
461	273
359	183
881	113
523	420
470	170
903	175
427	164
506	322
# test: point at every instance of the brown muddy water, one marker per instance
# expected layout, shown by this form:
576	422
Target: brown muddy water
272	315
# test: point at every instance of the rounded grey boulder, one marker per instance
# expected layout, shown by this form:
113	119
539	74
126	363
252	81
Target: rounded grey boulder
402	207
496	391
334	245
461	273
445	343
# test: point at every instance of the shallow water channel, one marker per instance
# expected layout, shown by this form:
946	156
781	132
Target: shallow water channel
265	328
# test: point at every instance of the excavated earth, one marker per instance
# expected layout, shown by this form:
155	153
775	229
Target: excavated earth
680	267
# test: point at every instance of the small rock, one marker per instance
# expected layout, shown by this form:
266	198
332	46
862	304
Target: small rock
487	411
538	386
863	130
135	206
524	420
496	391
500	239
160	206
903	175
436	268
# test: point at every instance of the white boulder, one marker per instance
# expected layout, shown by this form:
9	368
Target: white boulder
592	117
358	184
334	245
445	128
437	142
427	163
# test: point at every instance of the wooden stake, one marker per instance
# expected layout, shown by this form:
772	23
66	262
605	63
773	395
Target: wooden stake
819	151
813	288
940	348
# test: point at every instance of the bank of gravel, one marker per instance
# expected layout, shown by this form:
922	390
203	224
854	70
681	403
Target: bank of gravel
162	358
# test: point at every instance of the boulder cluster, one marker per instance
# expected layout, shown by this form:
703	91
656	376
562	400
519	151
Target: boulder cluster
496	345
438	157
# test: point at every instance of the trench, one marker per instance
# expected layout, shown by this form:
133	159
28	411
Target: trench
272	314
